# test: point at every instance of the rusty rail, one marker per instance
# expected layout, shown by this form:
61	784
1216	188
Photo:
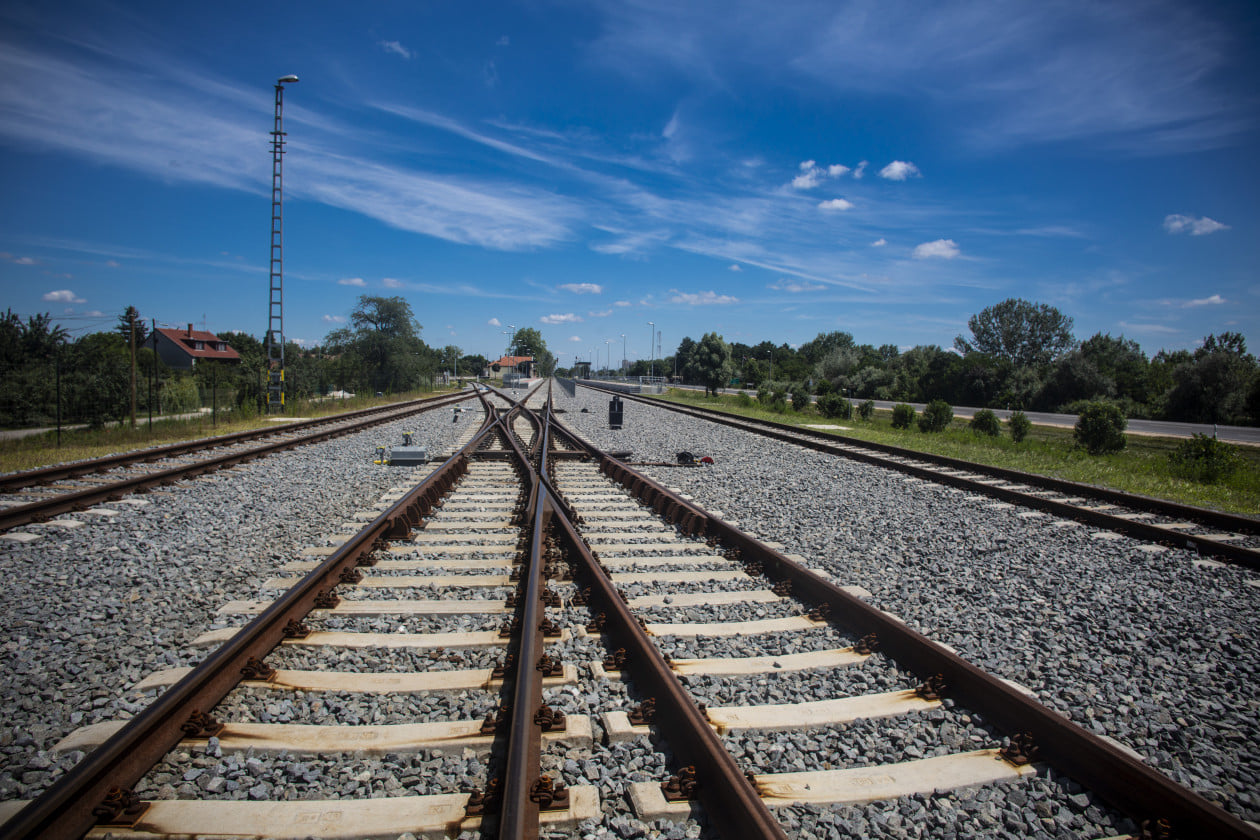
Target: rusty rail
823	442
65	503
68	808
1131	786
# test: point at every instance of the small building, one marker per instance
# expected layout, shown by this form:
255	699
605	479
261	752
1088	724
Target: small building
181	349
521	365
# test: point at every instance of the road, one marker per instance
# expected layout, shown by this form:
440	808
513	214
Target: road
1249	435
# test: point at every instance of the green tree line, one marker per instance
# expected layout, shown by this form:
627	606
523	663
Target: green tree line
90	378
1019	355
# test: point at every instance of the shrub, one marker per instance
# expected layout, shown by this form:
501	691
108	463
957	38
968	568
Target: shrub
936	416
1100	428
1020	426
764	395
986	423
902	416
835	406
743	400
1204	459
822	386
866	410
800	397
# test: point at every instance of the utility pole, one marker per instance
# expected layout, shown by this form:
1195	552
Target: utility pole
131	319
652	348
275	312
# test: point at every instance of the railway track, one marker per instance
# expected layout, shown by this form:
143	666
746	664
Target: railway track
1214	533
40	495
559	619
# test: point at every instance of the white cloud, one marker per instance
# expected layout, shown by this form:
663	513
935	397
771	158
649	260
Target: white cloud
735	267
836	204
1200	226
701	299
794	286
807	180
899	170
622	303
5	255
946	249
395	48
1155	329
603	314
566	318
352	281
494	322
879	243
63	296
575	338
812	174
583	288
113	263
861	170
333	319
671	127
1212	300
391	283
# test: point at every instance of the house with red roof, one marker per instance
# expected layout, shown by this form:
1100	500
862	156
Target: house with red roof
182	349
523	365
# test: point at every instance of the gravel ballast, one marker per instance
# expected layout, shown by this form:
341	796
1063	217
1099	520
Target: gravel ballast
91	611
1153	649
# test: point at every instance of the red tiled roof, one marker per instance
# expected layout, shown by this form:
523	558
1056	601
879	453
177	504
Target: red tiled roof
186	340
512	361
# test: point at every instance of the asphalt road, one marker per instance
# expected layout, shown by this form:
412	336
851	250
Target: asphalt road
1249	435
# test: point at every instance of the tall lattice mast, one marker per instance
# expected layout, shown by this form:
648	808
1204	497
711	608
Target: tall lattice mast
275	312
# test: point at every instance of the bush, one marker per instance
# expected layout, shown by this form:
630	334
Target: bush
986	423
822	386
800	398
1204	459
1100	428
1020	426
835	406
903	416
866	410
764	395
743	400
936	416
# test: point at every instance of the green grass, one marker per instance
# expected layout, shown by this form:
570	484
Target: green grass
41	450
1142	467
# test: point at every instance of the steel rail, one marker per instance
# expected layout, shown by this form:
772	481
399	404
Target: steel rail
1131	786
78	500
730	800
66	809
822	442
13	481
519	811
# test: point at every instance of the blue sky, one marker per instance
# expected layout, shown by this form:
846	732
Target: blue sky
766	171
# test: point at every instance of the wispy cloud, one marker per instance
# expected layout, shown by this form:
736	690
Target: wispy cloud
583	288
1193	225
1148	329
1212	300
7	257
795	286
395	48
945	249
879	243
566	318
601	314
836	204
700	299
333	319
352	281
391	283
734	267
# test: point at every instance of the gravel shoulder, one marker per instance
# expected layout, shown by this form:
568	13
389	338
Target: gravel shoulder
1155	650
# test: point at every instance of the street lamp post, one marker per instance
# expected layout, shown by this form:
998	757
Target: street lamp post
608	353
652	348
623	354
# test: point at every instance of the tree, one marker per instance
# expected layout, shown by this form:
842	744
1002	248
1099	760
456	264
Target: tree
1100	428
711	362
816	349
683	354
131	316
1022	333
529	342
382	348
1213	386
